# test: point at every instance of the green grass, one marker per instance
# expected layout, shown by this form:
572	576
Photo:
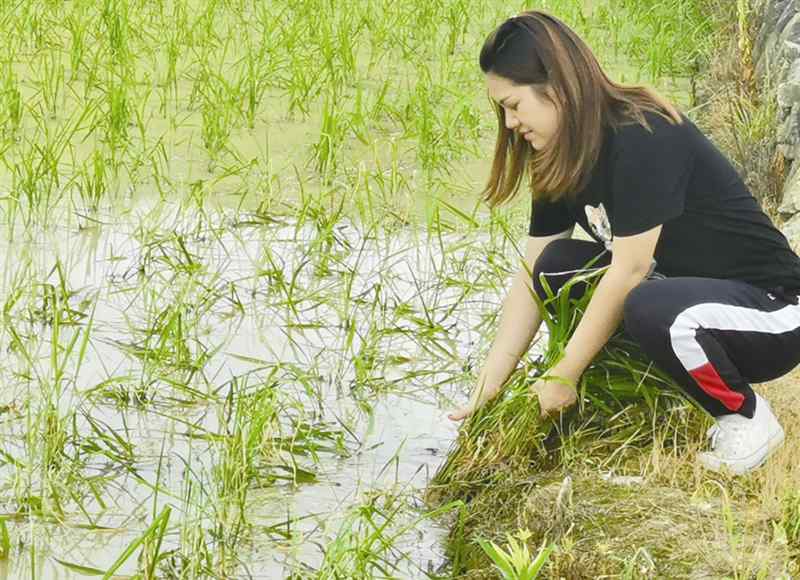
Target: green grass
238	237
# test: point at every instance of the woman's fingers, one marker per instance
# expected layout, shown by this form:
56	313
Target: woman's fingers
474	404
460	414
554	397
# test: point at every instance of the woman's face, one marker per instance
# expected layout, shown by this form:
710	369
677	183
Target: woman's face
525	112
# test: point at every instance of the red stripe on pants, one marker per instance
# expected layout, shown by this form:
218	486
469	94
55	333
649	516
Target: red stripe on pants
710	381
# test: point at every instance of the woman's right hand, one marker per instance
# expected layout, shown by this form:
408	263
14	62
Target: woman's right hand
462	413
474	404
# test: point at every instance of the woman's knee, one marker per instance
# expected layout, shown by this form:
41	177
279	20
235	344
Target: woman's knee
551	261
559	261
635	306
644	312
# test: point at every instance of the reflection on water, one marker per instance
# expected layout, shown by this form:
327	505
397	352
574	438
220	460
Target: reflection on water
362	335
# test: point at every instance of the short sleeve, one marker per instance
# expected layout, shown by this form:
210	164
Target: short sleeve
549	217
649	175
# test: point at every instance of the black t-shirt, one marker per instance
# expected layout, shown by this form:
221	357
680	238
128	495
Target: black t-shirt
674	176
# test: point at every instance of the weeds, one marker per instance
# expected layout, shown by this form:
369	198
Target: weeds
508	431
515	562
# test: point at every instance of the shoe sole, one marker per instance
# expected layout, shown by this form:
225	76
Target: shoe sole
742	466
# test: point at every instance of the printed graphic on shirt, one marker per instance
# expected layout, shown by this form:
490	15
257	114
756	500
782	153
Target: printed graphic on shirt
601	226
598	221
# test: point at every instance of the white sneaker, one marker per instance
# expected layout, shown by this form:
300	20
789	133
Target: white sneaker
739	444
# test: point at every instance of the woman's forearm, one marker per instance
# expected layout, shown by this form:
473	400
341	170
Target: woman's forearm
602	317
519	321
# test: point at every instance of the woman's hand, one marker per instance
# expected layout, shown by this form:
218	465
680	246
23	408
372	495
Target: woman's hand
462	413
475	403
555	395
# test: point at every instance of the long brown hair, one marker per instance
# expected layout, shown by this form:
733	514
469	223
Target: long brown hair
539	50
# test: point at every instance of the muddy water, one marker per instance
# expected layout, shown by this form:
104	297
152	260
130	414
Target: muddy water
389	419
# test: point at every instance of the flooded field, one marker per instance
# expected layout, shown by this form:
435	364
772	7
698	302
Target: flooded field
245	275
262	387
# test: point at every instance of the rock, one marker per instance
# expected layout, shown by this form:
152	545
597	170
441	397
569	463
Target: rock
785	11
775	47
791	50
773	11
763	52
788	136
789	91
776	34
791	31
791	230
777	55
791	192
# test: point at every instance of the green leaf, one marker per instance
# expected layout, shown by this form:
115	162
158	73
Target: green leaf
499	557
5	541
82	570
540	561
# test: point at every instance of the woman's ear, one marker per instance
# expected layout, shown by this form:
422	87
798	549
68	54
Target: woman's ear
549	93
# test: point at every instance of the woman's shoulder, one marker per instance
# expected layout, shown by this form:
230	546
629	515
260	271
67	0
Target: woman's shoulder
655	124
660	133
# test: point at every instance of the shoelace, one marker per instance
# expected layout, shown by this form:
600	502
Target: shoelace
725	434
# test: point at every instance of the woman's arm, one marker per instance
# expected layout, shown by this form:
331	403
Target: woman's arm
630	262
519	321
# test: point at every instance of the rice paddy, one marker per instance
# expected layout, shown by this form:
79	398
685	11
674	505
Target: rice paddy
245	276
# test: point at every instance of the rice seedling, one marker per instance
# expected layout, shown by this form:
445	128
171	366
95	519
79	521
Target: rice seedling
149	544
366	542
117	28
92	182
249	421
219	103
194	557
332	135
666	37
77	23
11	103
118	112
252	81
47	366
169	85
36	178
51	82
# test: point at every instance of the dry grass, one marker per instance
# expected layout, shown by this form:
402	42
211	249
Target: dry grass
677	521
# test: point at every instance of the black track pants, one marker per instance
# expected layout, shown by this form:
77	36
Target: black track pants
714	337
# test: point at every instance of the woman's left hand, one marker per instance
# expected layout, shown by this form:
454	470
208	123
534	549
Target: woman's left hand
555	395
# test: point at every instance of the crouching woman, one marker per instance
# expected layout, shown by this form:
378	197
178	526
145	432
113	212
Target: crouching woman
697	272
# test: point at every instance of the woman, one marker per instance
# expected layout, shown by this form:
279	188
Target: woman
697	273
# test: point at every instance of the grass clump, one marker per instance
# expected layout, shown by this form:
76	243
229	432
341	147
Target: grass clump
618	395
611	486
739	110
